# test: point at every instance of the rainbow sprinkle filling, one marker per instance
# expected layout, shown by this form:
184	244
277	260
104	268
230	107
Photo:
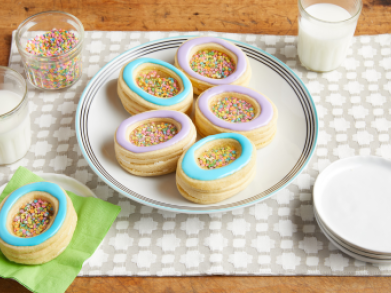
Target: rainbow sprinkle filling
152	133
32	218
233	110
55	74
161	87
212	64
53	43
217	157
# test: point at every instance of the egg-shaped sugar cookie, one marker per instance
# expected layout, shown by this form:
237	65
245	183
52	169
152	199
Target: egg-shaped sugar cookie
150	143
216	168
37	222
238	109
147	84
209	62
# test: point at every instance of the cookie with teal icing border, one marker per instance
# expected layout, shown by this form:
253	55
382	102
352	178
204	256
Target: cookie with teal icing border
50	243
52	189
135	100
208	186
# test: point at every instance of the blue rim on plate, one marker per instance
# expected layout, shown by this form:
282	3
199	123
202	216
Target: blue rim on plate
302	93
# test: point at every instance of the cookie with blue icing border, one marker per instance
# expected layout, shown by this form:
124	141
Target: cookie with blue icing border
135	100
47	245
208	186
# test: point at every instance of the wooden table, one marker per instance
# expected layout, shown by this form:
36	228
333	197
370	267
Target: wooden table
237	16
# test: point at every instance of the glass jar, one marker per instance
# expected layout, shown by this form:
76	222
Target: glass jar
15	134
57	71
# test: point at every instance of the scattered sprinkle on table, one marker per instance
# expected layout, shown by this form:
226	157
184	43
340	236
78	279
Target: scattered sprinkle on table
161	87
152	133
212	64
217	157
32	218
57	73
233	110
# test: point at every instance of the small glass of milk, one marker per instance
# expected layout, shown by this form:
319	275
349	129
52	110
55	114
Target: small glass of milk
326	28
15	134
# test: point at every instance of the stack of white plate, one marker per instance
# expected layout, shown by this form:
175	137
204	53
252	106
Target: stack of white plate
352	205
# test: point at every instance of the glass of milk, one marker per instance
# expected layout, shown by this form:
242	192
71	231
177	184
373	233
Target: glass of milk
15	134
326	28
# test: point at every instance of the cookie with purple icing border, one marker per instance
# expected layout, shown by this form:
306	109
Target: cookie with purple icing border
237	109
237	74
150	143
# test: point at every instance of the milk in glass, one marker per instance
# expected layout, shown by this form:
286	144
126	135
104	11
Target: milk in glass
15	134
325	34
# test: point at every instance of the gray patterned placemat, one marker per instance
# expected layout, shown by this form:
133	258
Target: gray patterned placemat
276	237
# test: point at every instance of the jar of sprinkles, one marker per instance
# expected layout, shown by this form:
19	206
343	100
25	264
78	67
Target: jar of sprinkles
50	44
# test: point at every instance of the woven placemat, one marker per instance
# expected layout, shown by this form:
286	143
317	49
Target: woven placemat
278	236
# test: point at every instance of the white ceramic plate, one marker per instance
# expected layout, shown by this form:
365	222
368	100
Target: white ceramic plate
348	251
353	198
100	112
355	250
67	183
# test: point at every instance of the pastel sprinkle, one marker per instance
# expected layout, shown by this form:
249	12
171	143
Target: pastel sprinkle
233	110
217	157
212	64
53	43
55	74
162	87
153	133
32	218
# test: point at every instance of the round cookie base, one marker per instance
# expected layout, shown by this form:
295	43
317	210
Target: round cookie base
135	104
261	136
48	250
198	85
214	191
154	163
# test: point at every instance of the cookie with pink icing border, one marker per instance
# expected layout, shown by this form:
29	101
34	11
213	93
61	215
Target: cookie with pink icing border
237	109
209	62
150	143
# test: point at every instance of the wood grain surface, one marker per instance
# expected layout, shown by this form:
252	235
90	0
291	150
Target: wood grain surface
238	16
217	284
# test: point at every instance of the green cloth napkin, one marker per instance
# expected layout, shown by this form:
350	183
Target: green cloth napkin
95	217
